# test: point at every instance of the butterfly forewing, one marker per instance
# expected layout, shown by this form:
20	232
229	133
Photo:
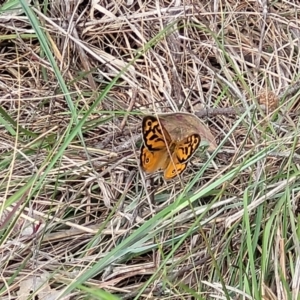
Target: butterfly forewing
154	153
155	135
184	150
187	147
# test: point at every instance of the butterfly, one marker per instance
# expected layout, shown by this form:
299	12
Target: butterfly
159	151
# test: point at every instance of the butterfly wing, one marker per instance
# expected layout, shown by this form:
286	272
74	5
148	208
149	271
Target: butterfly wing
154	153
184	151
152	161
174	168
155	136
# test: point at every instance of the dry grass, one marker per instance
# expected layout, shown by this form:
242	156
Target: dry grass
77	210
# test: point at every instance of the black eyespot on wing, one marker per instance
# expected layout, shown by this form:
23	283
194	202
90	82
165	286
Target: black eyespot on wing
148	123
144	157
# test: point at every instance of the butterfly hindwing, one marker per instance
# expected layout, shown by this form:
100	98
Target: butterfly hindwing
152	161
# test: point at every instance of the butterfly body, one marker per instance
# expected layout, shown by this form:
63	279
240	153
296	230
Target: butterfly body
159	151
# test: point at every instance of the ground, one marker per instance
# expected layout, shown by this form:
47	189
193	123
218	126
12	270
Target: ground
80	219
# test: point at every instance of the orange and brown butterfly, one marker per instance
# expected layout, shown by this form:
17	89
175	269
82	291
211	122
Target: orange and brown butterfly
160	152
